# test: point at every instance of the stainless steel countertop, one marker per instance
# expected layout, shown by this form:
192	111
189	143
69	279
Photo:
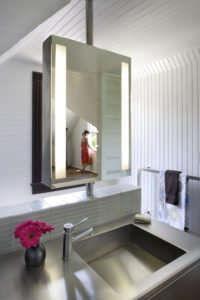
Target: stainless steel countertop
63	280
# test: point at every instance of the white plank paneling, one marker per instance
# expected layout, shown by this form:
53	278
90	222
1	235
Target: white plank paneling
20	17
147	30
172	138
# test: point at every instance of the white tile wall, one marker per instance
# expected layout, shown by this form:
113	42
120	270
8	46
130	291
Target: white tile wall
6	234
107	204
108	209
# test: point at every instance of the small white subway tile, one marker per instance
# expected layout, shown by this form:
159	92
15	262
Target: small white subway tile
6	246
16	245
5	225
42	215
5	221
5	235
135	205
125	204
58	219
108	209
90	212
46	237
74	215
108	204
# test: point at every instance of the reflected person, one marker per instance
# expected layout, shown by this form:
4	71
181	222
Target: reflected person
87	150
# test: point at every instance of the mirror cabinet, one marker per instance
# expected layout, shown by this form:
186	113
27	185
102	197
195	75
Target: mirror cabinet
84	88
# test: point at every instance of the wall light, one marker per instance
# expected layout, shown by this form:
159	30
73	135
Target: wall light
60	110
124	116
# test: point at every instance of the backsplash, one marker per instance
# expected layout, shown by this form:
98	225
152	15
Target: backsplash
108	204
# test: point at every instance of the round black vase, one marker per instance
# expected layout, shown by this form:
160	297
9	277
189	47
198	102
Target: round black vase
35	256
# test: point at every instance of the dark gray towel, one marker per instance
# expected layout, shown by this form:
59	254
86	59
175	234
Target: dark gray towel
171	186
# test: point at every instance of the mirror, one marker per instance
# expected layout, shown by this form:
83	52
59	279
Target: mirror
85	114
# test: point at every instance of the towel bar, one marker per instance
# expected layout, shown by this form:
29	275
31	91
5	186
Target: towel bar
189	177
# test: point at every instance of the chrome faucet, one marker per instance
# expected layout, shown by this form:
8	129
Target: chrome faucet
68	238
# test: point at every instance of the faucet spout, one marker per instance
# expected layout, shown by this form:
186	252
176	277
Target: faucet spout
82	235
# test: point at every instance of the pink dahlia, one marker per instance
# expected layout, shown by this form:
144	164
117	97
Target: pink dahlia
46	228
29	232
21	227
30	236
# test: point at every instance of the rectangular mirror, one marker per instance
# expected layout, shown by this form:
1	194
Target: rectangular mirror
85	114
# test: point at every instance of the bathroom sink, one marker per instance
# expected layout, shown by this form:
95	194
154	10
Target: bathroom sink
126	255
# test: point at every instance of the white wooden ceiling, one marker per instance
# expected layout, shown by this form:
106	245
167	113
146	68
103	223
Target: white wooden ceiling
146	30
19	17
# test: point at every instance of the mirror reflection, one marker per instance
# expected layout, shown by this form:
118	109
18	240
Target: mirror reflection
81	148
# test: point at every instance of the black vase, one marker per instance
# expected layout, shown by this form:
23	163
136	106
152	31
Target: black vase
35	256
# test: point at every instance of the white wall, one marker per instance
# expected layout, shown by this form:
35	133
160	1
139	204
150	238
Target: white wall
166	124
82	95
16	131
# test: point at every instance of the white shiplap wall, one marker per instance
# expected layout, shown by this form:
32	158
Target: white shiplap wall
166	125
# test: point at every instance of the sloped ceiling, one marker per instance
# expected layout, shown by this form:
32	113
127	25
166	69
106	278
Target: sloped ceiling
19	17
146	30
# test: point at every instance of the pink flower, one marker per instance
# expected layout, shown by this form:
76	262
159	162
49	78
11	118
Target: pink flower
21	227
29	232
44	227
47	228
30	236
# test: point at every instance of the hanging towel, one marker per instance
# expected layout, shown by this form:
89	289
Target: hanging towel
174	215
171	186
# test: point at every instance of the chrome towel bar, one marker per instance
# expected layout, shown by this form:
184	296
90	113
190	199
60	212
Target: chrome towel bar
157	172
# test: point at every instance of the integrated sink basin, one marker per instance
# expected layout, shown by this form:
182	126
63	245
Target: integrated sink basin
126	255
121	261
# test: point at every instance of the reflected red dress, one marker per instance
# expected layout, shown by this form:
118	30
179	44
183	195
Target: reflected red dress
86	154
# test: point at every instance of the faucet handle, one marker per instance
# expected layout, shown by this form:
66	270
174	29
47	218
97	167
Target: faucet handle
78	223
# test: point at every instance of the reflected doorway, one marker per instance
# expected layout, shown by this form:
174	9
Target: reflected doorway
75	126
